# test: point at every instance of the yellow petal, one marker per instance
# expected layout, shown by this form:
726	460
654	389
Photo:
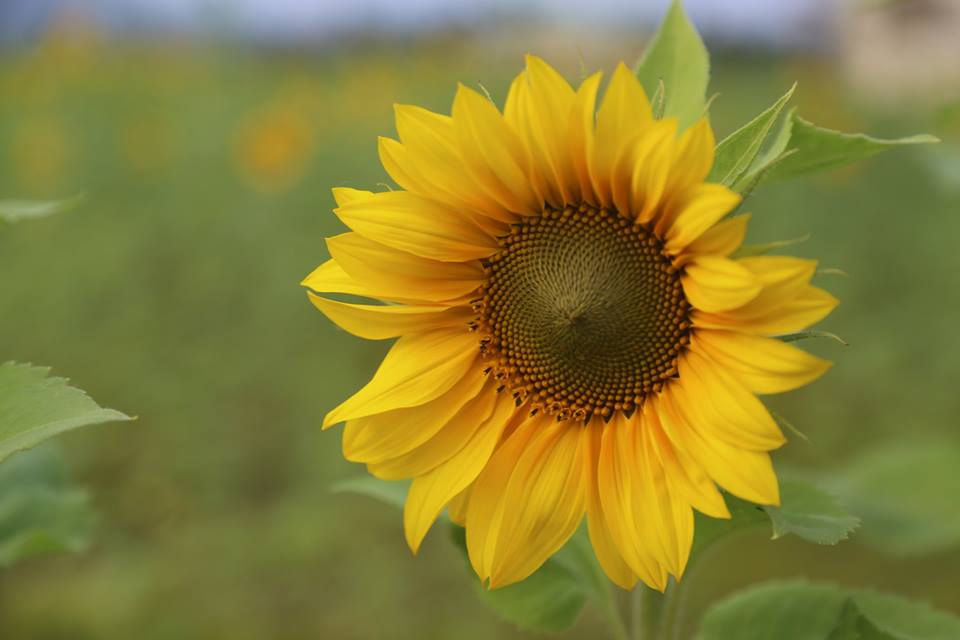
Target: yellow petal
683	472
346	195
600	538
379	322
442	445
717	284
549	107
417	369
649	171
406	171
330	277
417	225
543	504
624	112
527	502
493	154
457	507
781	278
785	303
399	165
744	473
517	112
704	208
721	240
731	410
432	158
764	365
669	515
694	157
384	436
582	135
376	266
485	507
429	493
619	495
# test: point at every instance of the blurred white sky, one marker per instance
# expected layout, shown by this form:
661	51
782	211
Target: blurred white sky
767	22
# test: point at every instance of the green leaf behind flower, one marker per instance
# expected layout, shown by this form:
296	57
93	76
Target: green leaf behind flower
550	600
737	152
820	149
392	493
798	610
677	56
811	514
34	407
805	511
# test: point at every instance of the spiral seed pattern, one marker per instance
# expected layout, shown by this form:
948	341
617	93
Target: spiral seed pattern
582	313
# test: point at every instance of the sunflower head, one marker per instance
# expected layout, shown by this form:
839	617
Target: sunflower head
577	336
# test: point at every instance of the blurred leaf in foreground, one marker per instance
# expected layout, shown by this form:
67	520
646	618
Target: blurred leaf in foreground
16	210
39	512
798	610
34	407
906	496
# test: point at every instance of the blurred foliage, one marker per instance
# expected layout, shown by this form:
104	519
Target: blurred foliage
803	611
173	289
40	512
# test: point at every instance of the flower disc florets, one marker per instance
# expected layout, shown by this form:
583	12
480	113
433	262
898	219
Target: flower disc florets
584	312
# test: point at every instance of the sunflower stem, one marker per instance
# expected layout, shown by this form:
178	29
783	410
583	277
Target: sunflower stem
646	614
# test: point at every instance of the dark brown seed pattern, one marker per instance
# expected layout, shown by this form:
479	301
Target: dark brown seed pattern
582	313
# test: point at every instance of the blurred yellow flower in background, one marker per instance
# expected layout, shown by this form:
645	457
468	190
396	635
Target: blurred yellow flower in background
577	335
273	148
40	155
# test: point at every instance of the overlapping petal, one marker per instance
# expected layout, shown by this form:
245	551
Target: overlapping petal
381	321
417	369
528	501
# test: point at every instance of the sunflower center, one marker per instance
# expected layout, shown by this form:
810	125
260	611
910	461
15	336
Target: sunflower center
583	311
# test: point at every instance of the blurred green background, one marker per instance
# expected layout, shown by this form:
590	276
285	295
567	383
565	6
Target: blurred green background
172	294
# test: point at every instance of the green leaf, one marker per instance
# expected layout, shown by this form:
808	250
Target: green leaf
677	56
392	493
804	511
819	149
738	151
798	610
551	599
811	514
34	407
906	496
852	625
774	152
17	210
39	512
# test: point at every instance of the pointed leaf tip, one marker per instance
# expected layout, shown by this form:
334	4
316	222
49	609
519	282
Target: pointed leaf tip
677	57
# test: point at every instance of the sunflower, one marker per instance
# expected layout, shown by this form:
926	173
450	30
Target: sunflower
576	334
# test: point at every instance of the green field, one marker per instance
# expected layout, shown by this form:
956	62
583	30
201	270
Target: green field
172	293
